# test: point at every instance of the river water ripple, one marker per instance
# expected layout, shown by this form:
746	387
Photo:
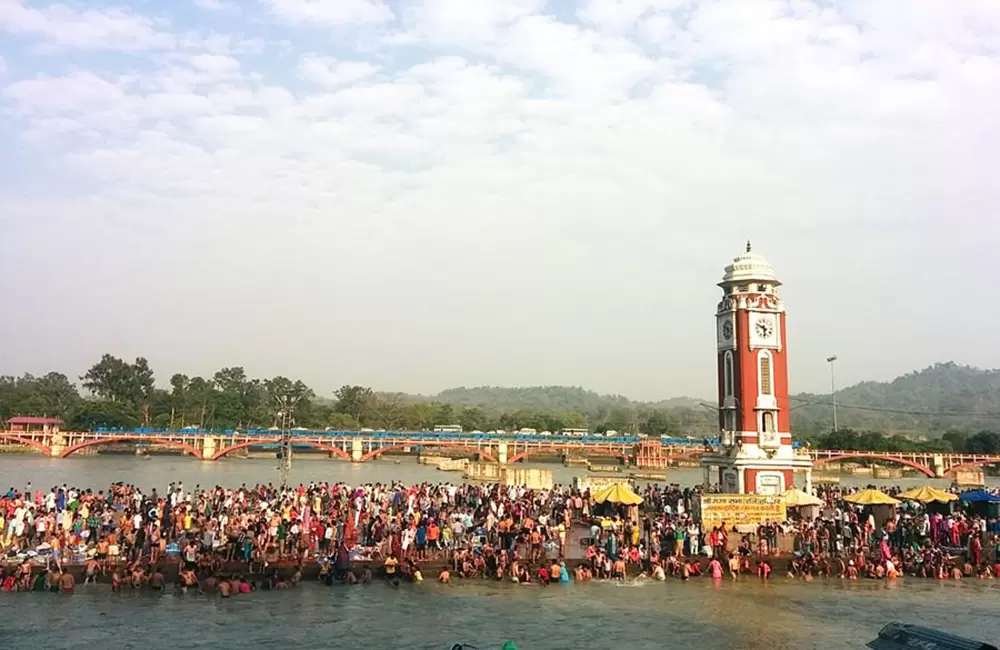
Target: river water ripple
636	616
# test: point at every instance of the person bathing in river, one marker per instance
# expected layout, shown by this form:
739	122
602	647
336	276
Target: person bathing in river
66	582
715	567
188	580
157	579
90	571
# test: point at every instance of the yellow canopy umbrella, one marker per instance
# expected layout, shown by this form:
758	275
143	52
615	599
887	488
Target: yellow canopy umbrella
871	497
617	493
927	494
796	498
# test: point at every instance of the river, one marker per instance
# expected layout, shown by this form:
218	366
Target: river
697	614
632	616
98	471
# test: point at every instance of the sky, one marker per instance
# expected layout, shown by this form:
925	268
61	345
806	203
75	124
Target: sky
421	194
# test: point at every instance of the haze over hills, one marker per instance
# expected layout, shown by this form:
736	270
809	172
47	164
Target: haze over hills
549	397
942	397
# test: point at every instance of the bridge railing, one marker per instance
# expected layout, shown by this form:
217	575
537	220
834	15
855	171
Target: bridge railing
404	435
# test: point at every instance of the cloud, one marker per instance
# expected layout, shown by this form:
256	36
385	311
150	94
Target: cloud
217	65
3	66
454	22
46	96
331	12
482	159
330	72
622	16
62	26
217	5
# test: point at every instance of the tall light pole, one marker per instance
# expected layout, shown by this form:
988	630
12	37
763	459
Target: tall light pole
833	388
286	404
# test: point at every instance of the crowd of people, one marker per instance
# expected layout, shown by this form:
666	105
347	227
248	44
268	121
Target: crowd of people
933	540
219	539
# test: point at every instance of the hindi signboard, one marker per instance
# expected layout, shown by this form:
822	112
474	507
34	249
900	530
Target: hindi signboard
740	509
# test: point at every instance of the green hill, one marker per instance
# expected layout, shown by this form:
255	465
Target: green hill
555	407
548	398
929	402
939	398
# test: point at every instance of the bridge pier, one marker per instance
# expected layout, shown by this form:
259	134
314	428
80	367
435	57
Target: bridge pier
356	451
209	445
937	464
502	453
57	445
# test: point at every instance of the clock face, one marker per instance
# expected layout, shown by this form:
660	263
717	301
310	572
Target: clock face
765	328
727	330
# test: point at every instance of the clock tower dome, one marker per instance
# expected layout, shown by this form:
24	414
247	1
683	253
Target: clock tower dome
756	454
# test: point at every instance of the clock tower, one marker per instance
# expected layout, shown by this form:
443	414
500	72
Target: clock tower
756	454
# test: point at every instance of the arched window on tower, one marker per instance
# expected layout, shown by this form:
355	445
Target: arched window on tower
728	374
764	373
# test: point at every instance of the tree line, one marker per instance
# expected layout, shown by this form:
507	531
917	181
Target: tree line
123	394
981	442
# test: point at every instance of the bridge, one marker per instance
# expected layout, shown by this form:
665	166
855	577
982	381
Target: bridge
348	445
930	464
362	446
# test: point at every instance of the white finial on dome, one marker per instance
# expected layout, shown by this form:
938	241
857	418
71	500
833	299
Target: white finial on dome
747	268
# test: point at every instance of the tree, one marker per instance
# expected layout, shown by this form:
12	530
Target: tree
445	414
473	418
255	404
93	414
200	404
231	399
109	378
354	401
141	386
231	380
287	396
341	421
983	442
130	384
386	410
52	394
958	439
420	416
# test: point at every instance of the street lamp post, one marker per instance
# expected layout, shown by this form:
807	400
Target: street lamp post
286	414
833	388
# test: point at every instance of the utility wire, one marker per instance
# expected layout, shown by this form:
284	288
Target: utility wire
879	409
715	409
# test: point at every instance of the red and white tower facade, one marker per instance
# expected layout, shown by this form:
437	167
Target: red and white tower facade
756	454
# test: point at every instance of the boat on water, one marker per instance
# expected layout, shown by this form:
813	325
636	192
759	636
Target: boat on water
904	636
